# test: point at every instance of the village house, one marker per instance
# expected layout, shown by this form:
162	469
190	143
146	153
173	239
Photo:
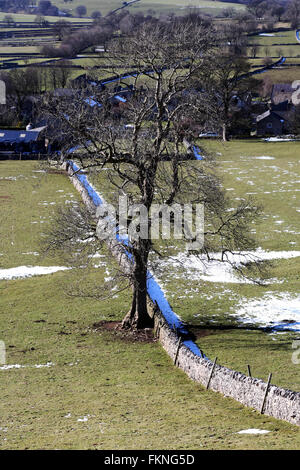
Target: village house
282	93
23	142
271	123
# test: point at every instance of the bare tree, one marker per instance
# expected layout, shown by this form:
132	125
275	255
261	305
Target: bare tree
59	74
226	77
254	48
9	20
147	162
293	13
61	28
81	10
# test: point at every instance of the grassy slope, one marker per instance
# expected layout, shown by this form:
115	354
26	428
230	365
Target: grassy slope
270	46
207	305
131	394
160	6
25	18
274	183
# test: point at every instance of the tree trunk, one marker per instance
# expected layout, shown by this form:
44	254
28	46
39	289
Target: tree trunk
138	317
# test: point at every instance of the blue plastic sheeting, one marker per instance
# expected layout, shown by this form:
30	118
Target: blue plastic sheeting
83	179
91	102
196	152
298	34
120	98
264	69
73	149
154	290
157	296
77	147
293	326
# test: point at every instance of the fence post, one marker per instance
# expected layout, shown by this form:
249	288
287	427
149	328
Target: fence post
266	393
211	373
178	347
249	371
157	330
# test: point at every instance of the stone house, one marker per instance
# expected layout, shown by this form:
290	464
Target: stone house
282	92
271	123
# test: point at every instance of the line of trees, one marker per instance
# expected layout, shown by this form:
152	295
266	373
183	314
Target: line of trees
276	9
24	87
44	7
267	12
102	30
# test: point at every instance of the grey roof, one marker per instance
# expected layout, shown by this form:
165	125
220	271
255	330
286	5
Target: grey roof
15	136
267	114
282	88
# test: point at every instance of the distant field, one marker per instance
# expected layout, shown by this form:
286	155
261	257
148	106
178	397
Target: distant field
282	75
18	50
24	18
164	6
276	44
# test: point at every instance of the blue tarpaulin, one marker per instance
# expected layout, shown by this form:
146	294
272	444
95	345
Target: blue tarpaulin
197	154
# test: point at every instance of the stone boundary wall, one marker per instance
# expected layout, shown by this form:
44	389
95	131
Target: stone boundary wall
279	403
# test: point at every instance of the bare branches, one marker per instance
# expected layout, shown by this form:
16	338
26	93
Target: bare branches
140	143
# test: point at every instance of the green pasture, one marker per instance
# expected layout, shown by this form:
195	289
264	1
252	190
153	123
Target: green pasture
27	18
165	6
267	173
73	385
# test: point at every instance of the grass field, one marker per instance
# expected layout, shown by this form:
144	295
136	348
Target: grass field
267	172
164	6
276	45
96	390
26	18
282	75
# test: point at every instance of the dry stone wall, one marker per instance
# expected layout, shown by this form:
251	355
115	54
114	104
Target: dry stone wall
279	403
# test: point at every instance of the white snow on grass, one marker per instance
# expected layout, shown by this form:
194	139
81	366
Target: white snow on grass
279	139
262	157
84	419
217	270
253	431
19	366
28	271
277	311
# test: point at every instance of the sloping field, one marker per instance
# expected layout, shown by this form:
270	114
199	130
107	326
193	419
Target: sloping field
68	384
165	6
213	298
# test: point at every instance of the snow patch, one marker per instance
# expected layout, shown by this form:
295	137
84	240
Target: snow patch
277	311
253	431
217	270
28	271
19	366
